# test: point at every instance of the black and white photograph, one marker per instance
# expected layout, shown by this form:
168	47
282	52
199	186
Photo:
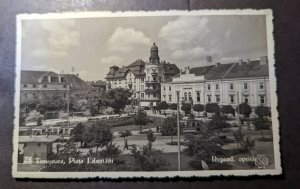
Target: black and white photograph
145	94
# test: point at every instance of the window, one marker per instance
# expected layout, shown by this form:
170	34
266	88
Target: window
65	86
143	79
208	87
119	81
25	86
45	86
142	95
190	96
198	96
185	96
262	99
217	98
231	98
164	88
164	96
170	98
231	86
154	95
170	88
65	95
208	98
148	70
134	95
148	95
134	87
217	86
34	86
245	86
246	99
261	85
142	86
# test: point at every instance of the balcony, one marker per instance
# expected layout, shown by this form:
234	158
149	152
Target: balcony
154	73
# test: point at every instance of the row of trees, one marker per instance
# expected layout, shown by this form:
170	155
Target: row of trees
244	108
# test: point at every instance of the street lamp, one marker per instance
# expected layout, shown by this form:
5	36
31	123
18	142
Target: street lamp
178	132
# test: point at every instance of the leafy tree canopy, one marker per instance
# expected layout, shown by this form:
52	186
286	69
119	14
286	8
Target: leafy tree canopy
212	108
244	109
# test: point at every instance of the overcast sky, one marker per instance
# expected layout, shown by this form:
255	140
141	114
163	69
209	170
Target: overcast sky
92	45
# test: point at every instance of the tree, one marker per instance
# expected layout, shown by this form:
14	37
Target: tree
39	121
198	108
81	105
212	108
163	105
100	135
262	111
68	150
140	119
125	134
173	106
169	127
117	98
129	109
78	133
261	124
33	116
108	111
244	109
246	142
186	107
228	109
217	123
202	147
150	137
147	159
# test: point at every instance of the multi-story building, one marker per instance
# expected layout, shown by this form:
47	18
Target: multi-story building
225	84
142	78
45	84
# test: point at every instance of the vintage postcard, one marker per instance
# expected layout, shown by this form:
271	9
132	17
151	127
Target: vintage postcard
145	94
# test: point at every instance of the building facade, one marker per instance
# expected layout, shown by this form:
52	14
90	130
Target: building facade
225	84
143	79
39	85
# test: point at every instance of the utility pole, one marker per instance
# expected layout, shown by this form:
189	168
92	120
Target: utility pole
178	132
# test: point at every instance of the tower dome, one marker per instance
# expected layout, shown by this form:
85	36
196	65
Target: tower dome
154	58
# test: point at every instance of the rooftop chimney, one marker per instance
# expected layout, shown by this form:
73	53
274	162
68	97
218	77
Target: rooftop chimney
240	61
209	59
187	70
263	60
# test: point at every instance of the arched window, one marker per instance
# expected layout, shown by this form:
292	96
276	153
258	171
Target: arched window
185	96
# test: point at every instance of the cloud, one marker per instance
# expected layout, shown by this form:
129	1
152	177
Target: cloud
192	54
127	39
184	32
112	60
56	39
